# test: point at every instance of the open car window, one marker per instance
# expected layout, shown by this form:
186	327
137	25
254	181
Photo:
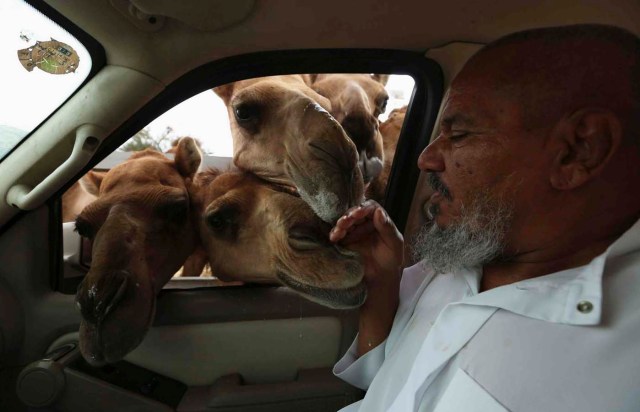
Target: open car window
210	118
41	65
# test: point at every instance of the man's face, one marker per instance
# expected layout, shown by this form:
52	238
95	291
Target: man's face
484	166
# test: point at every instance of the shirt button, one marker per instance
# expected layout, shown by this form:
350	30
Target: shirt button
584	306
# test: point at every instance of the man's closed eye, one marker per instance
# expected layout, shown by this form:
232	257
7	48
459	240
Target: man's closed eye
458	136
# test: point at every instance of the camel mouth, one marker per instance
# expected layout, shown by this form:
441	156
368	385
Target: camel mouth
107	341
347	298
100	347
91	345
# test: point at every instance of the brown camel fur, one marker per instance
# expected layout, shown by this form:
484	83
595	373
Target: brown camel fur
85	191
142	231
390	131
255	231
282	132
356	102
74	200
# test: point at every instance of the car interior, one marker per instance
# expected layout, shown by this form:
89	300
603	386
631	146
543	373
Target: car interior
213	344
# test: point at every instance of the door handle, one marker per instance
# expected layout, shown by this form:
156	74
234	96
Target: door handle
88	138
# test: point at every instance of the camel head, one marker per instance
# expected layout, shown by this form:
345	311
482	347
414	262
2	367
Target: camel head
356	102
142	231
255	231
282	132
391	128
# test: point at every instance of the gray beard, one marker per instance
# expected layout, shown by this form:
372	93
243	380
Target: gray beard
477	239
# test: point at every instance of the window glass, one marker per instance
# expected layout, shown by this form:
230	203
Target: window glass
41	65
367	107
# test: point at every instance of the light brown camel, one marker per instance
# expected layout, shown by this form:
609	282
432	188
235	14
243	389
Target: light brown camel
85	191
356	102
255	231
391	128
390	131
142	231
77	197
282	132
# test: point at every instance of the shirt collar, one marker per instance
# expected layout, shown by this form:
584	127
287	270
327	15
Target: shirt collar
572	296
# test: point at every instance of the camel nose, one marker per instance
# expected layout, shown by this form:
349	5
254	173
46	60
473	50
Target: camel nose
96	299
361	128
326	139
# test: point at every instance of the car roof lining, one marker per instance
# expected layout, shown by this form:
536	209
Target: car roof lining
291	24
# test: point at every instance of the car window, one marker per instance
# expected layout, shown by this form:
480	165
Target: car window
41	65
362	103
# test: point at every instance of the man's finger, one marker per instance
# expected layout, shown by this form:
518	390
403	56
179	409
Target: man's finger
358	233
388	231
354	217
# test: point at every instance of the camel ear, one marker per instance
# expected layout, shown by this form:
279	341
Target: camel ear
91	182
381	78
224	92
187	157
315	78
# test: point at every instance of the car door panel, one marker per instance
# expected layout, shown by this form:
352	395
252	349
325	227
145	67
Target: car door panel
252	345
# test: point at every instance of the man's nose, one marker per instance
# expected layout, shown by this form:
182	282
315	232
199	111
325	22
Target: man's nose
431	160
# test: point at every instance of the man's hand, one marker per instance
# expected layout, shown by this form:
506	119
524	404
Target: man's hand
368	230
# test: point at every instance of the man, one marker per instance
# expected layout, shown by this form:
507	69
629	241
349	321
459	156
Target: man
528	294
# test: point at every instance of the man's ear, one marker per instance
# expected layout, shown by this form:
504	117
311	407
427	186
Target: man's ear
187	157
91	182
585	142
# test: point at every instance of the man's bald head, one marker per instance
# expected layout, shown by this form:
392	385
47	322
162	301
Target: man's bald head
532	166
554	71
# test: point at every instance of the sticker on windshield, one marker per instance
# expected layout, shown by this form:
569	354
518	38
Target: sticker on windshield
50	56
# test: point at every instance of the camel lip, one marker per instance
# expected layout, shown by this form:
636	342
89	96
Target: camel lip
345	252
95	352
94	357
347	298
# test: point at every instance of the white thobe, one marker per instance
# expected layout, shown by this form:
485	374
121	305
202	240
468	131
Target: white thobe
565	341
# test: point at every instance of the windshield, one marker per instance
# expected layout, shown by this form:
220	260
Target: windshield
41	65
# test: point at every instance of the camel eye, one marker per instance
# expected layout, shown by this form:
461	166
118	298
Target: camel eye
382	105
216	222
246	112
83	228
304	238
223	221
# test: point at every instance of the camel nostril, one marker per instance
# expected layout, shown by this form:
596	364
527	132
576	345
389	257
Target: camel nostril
329	154
117	296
